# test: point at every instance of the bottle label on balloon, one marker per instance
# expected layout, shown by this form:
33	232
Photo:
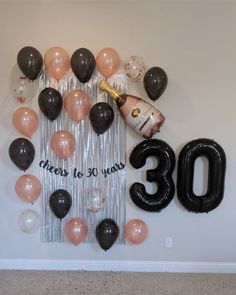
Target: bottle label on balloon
141	117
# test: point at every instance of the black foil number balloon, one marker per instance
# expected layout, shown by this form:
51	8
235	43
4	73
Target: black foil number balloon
107	232
161	175
22	152
60	203
217	164
30	62
101	117
83	64
50	103
155	82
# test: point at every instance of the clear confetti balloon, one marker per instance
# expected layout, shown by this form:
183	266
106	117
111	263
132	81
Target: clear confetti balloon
29	221
95	200
21	88
135	68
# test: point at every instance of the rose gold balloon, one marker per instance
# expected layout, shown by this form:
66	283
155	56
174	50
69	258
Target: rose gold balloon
107	62
28	188
63	144
25	120
57	62
76	230
136	231
77	104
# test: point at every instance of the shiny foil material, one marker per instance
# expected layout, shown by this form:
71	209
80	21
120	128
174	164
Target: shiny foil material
90	166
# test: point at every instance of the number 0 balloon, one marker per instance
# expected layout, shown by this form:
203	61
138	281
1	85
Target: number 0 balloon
217	163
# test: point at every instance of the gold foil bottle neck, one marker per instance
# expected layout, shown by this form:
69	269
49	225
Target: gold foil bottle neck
105	86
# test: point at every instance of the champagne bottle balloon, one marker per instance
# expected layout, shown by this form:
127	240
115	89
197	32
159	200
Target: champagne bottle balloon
141	116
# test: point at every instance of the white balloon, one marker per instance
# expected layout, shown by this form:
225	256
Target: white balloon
135	68
95	200
29	221
21	88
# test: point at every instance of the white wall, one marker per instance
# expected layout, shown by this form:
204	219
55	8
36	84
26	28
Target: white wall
195	43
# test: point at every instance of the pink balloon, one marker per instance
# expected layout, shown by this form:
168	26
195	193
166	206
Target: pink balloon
108	62
57	62
136	231
28	188
25	120
76	231
77	104
63	144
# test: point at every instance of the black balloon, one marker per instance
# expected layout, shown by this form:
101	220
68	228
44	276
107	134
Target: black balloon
22	152
217	165
101	117
161	175
107	233
83	64
30	62
50	103
155	82
60	203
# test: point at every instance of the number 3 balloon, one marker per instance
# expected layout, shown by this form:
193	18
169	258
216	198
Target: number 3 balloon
162	175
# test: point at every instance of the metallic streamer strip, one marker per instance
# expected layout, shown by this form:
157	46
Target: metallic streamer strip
92	151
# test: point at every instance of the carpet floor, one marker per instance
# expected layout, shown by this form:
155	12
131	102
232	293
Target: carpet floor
114	283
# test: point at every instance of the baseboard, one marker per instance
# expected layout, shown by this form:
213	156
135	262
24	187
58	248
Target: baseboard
132	266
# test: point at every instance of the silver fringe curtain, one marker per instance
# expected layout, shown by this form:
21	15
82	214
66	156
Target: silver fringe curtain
92	151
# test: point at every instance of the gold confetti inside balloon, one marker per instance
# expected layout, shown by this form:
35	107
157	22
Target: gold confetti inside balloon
135	68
